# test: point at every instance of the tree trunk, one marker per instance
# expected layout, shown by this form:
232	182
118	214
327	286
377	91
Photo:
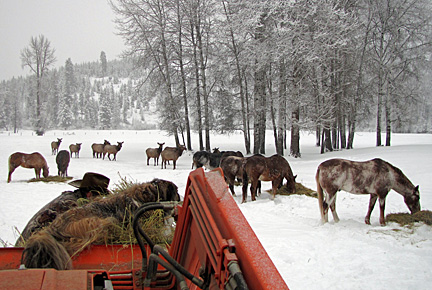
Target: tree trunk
282	108
295	133
248	150
183	80
259	110
244	110
388	120
202	67
197	89
326	143
379	103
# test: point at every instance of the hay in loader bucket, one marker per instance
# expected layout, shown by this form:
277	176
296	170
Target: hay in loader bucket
300	190
51	179
406	219
154	223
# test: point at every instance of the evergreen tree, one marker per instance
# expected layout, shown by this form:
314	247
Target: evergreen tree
67	101
105	114
104	65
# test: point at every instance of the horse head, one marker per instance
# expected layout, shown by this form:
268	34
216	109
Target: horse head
413	200
291	184
45	171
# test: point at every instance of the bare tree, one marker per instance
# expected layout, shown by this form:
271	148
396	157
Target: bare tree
38	56
401	30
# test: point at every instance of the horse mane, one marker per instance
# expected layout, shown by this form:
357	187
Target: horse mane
399	177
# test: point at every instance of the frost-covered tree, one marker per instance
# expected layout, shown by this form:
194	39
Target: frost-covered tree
401	31
105	113
104	64
67	103
38	56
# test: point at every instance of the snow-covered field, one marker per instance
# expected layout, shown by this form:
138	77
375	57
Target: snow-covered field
346	255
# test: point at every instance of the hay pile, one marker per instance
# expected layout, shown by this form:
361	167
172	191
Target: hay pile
406	219
154	223
300	190
51	179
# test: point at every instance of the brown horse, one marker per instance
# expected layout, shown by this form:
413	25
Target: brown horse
274	169
375	177
232	168
34	160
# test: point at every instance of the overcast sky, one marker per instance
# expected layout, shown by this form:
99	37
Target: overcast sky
77	29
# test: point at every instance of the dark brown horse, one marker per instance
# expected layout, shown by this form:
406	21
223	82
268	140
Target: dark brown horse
274	169
375	177
34	160
232	167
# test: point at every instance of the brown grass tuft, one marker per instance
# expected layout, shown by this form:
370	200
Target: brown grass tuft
51	179
300	190
406	219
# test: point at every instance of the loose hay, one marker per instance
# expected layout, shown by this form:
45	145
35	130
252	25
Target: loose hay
105	220
51	179
154	225
300	190
405	219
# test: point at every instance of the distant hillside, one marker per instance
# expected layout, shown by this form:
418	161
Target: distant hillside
80	97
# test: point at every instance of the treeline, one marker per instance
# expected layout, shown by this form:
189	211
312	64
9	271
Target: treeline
331	67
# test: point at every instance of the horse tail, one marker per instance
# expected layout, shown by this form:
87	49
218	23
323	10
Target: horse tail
42	250
320	194
245	183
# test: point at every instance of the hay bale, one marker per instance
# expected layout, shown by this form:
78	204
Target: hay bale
300	190
51	179
406	219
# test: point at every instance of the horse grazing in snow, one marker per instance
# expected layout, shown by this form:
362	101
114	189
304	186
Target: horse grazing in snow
375	177
274	169
34	160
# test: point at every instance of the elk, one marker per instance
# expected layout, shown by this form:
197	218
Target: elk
98	149
172	153
154	153
75	148
112	149
55	146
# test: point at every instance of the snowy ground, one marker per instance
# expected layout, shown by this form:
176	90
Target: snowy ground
346	255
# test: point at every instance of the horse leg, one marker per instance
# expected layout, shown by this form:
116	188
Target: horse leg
275	186
259	187
244	187
372	201
254	187
382	201
37	171
11	170
332	205
231	180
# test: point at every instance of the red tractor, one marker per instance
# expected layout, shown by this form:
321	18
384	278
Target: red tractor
213	247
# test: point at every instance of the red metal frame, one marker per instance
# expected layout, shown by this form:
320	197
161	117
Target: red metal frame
212	227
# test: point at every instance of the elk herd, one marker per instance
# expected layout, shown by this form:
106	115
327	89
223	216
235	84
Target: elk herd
374	177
